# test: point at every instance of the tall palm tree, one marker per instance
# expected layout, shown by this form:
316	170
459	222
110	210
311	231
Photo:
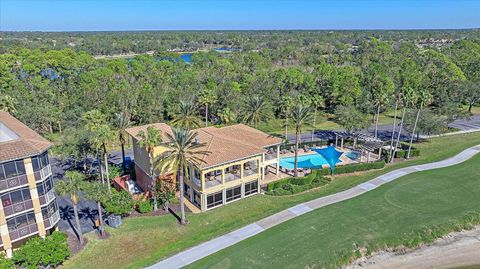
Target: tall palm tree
149	140
286	104
122	121
301	116
97	192
424	99
397	100
72	185
317	102
256	110
184	150
207	98
93	120
7	104
187	116
409	98
104	134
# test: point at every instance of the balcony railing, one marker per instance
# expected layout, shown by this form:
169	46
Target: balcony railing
232	176
270	156
250	171
47	197
18	207
13	182
43	173
52	220
23	231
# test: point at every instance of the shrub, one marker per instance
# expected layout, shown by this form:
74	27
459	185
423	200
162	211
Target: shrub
6	263
400	154
40	252
119	203
356	167
295	185
145	206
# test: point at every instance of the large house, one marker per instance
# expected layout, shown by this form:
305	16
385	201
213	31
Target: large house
28	204
239	157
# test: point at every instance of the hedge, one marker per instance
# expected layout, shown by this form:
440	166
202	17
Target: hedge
356	167
295	185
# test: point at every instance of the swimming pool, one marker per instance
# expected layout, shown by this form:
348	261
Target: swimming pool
314	160
304	161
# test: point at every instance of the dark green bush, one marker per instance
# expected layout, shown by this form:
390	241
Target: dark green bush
6	263
356	167
400	154
145	206
119	203
414	152
294	185
40	252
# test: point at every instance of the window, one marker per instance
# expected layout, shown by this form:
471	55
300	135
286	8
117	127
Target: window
16	196
45	186
251	188
214	199
40	161
49	210
21	221
186	190
12	169
197	199
234	193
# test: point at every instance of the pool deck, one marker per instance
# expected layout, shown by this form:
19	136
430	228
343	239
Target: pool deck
270	177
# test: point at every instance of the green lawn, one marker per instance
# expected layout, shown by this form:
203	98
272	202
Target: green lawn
142	241
382	216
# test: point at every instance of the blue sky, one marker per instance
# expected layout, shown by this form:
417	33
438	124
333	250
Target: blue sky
102	15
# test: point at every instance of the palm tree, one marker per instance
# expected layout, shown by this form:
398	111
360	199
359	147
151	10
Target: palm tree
409	98
186	117
301	116
184	150
255	110
227	116
149	140
93	119
73	184
286	105
397	100
96	192
317	102
424	99
122	121
104	135
207	97
7	104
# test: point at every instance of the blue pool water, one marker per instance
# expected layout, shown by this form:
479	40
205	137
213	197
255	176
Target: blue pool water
314	160
305	161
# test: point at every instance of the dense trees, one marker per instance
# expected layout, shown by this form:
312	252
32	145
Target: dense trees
55	89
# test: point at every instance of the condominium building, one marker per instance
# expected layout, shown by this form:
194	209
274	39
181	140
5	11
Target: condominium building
239	157
28	206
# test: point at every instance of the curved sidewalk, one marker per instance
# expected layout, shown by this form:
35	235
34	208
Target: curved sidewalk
205	249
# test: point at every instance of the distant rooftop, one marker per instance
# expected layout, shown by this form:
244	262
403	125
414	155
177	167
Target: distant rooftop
17	141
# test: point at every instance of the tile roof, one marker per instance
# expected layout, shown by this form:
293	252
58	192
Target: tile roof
225	144
27	144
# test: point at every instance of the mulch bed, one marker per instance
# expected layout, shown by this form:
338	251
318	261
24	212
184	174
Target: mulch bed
173	207
73	243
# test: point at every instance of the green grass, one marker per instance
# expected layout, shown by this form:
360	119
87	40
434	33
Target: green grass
391	215
142	241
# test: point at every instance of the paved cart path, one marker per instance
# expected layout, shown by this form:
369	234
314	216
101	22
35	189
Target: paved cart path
203	250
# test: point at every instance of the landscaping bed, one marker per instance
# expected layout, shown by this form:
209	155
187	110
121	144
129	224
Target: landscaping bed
295	185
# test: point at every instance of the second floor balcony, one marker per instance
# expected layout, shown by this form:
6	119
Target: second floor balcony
13	182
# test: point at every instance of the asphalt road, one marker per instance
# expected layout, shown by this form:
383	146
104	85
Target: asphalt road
385	131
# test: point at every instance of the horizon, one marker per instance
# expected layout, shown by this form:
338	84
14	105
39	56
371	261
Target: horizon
233	15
